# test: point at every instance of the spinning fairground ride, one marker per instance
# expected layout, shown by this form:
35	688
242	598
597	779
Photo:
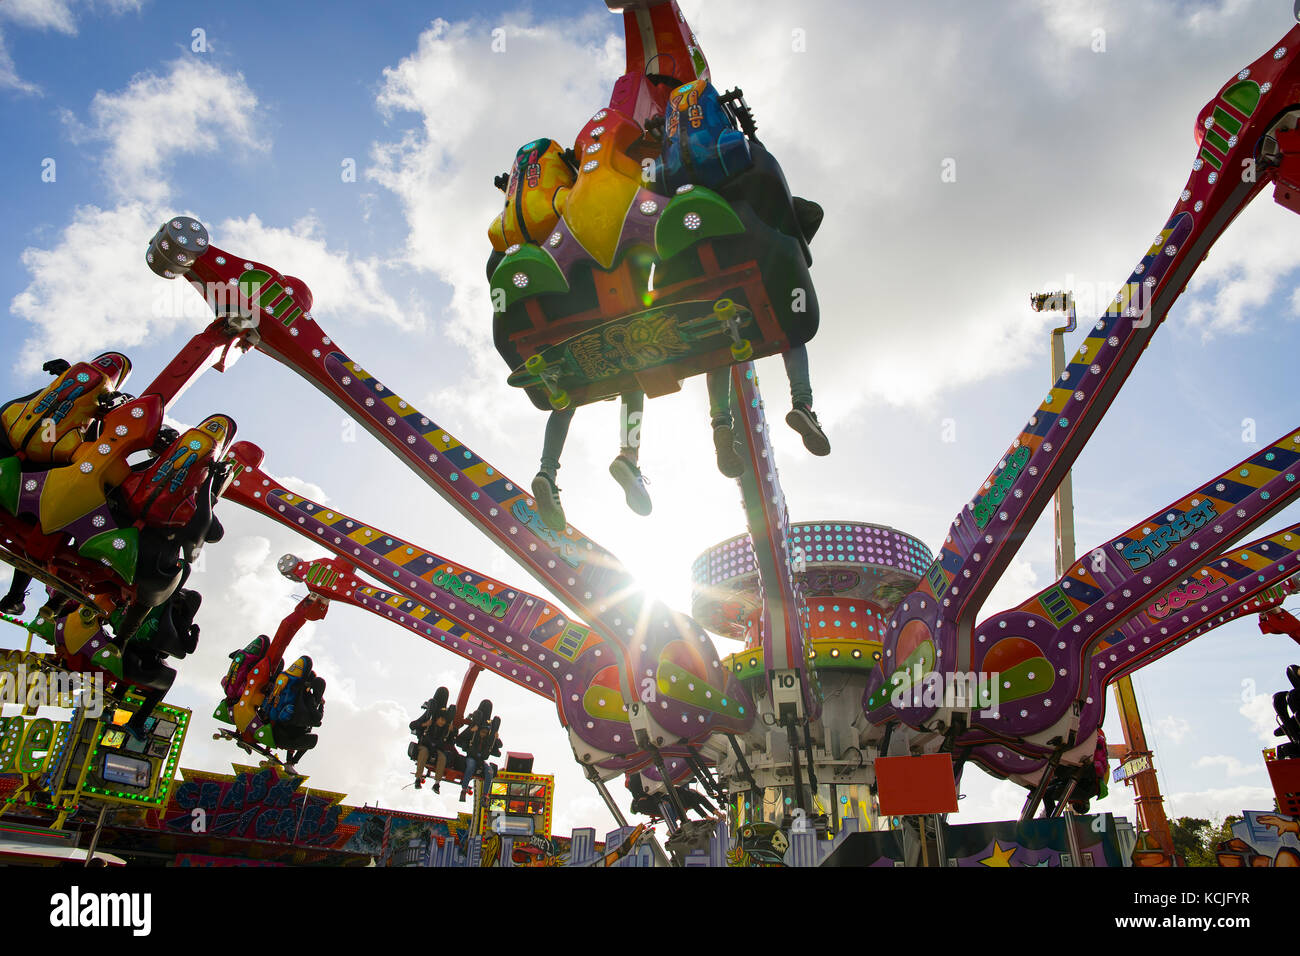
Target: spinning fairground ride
662	244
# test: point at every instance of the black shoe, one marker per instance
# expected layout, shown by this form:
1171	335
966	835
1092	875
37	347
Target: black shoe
724	445
548	502
802	420
633	483
419	783
14	607
436	788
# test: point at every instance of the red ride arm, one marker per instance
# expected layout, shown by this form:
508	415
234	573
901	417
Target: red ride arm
1279	621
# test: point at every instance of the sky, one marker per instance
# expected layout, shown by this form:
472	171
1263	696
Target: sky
1068	124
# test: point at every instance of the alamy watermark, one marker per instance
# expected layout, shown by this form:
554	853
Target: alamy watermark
958	690
44	688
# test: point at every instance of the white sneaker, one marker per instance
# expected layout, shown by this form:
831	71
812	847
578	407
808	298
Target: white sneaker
548	502
633	484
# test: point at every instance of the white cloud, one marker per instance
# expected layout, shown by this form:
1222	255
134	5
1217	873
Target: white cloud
441	169
194	108
59	15
1017	583
90	291
41	14
1244	271
1258	711
1173	729
79	299
9	79
1217	803
1231	765
342	286
307	489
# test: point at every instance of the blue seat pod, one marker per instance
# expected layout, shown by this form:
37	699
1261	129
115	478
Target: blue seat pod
283	702
702	145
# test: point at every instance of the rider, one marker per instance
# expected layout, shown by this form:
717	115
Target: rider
801	417
479	743
624	468
14	602
432	731
308	713
702	147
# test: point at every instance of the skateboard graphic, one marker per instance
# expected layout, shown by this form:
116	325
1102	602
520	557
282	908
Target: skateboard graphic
632	344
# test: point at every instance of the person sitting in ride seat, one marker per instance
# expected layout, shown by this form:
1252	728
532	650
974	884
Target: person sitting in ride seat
1286	704
241	667
309	712
642	802
281	704
480	742
433	732
693	800
47	425
702	147
45	428
536	190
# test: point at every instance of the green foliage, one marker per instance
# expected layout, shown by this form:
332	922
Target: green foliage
1195	839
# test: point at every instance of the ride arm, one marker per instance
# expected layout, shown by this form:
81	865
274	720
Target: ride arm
640	635
991	527
1240	581
1044	644
338	580
575	660
659	43
792	685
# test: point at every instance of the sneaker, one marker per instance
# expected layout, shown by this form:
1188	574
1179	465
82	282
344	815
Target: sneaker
724	445
548	502
633	483
802	420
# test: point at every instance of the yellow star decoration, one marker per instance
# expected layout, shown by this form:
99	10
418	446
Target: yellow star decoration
1000	856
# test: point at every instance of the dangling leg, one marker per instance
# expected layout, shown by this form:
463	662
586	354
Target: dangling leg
471	764
439	768
14	602
624	467
421	758
724	442
544	488
801	417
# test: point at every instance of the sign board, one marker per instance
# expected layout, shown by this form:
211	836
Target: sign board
908	786
1133	767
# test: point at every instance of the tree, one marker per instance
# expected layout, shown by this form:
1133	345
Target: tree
1190	837
1196	839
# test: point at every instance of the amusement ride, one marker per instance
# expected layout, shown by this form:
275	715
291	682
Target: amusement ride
665	243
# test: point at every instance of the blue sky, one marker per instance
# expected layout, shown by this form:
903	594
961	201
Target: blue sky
1068	158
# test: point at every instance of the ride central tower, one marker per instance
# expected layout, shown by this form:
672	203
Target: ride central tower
849	577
